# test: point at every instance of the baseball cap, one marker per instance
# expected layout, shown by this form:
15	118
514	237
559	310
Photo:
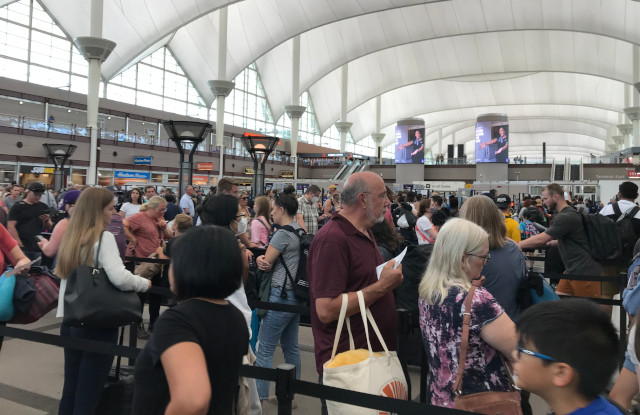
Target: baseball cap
538	202
36	187
333	186
503	201
70	197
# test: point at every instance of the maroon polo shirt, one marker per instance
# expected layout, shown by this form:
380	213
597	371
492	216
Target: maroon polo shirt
342	259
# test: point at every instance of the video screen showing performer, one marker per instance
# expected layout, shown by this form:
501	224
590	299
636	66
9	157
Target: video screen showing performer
492	142
410	147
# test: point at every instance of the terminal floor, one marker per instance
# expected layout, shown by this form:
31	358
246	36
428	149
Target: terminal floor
31	375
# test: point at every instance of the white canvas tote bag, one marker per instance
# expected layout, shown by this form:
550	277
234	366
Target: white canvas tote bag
381	376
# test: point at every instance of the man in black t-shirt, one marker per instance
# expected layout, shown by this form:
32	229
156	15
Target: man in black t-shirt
29	218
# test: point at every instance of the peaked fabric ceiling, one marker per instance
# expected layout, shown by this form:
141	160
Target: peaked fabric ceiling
563	70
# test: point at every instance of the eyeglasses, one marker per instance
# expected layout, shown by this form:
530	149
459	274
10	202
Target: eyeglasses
535	354
240	215
381	196
244	198
486	258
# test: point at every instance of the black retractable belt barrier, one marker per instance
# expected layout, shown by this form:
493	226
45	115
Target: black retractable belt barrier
283	375
92	346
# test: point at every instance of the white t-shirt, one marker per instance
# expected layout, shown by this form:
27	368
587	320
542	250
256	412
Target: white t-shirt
239	299
423	225
129	209
624	206
187	203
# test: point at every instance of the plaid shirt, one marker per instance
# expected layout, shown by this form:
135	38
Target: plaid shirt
310	214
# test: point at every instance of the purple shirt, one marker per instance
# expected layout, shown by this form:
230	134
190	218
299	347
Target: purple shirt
342	259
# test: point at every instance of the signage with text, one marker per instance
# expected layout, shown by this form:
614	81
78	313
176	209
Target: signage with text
632	174
143	160
122	174
248	170
204	166
286	174
199	179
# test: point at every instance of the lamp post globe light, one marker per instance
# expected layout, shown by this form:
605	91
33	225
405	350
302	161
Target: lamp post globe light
259	147
183	134
59	154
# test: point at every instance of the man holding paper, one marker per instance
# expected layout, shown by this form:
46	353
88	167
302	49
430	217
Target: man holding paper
343	259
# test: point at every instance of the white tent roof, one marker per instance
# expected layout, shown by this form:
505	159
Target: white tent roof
445	61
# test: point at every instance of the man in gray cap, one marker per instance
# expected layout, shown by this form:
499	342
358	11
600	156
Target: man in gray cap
29	218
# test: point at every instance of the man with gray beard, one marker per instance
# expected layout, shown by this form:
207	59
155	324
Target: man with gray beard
342	259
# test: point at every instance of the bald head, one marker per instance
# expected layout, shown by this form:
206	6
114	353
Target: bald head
359	183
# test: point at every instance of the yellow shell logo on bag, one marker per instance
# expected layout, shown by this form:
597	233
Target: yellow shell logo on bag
394	389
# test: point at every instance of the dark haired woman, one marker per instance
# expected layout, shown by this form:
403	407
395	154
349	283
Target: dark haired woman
191	363
223	210
133	203
280	326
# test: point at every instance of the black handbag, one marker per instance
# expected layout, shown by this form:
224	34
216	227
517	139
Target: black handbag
91	300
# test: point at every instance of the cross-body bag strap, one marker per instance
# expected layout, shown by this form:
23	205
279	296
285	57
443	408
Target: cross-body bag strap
464	344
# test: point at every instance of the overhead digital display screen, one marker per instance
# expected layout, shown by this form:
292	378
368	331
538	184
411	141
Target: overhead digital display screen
492	141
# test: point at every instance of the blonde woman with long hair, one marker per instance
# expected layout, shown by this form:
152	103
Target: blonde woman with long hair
507	267
85	373
459	253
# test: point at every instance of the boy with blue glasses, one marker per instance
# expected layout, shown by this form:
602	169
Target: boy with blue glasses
567	352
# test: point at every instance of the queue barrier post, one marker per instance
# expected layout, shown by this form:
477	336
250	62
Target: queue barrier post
285	376
404	326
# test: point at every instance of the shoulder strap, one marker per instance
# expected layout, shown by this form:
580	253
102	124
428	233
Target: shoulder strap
464	344
299	232
616	209
265	226
631	213
96	263
421	234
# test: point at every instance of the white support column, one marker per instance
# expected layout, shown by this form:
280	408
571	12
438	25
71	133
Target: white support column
295	111
377	136
633	111
95	50
439	142
344	126
221	88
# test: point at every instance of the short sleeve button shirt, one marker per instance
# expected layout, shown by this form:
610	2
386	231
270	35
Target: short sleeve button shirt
310	215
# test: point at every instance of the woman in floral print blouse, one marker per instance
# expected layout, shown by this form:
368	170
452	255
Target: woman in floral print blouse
460	252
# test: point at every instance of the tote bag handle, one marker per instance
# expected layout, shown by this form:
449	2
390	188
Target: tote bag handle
341	318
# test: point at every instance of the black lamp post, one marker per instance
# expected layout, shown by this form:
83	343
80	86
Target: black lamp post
259	146
59	154
186	132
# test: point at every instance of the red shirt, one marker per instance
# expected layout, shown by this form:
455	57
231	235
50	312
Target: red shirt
342	259
7	243
145	229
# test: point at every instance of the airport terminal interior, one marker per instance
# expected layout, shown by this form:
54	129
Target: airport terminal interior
450	96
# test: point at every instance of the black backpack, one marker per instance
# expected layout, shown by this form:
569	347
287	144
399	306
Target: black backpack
627	234
603	237
300	283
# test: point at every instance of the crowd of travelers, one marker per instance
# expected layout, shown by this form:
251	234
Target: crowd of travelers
462	276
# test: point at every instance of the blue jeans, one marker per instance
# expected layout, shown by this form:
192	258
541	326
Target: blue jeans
282	326
85	373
